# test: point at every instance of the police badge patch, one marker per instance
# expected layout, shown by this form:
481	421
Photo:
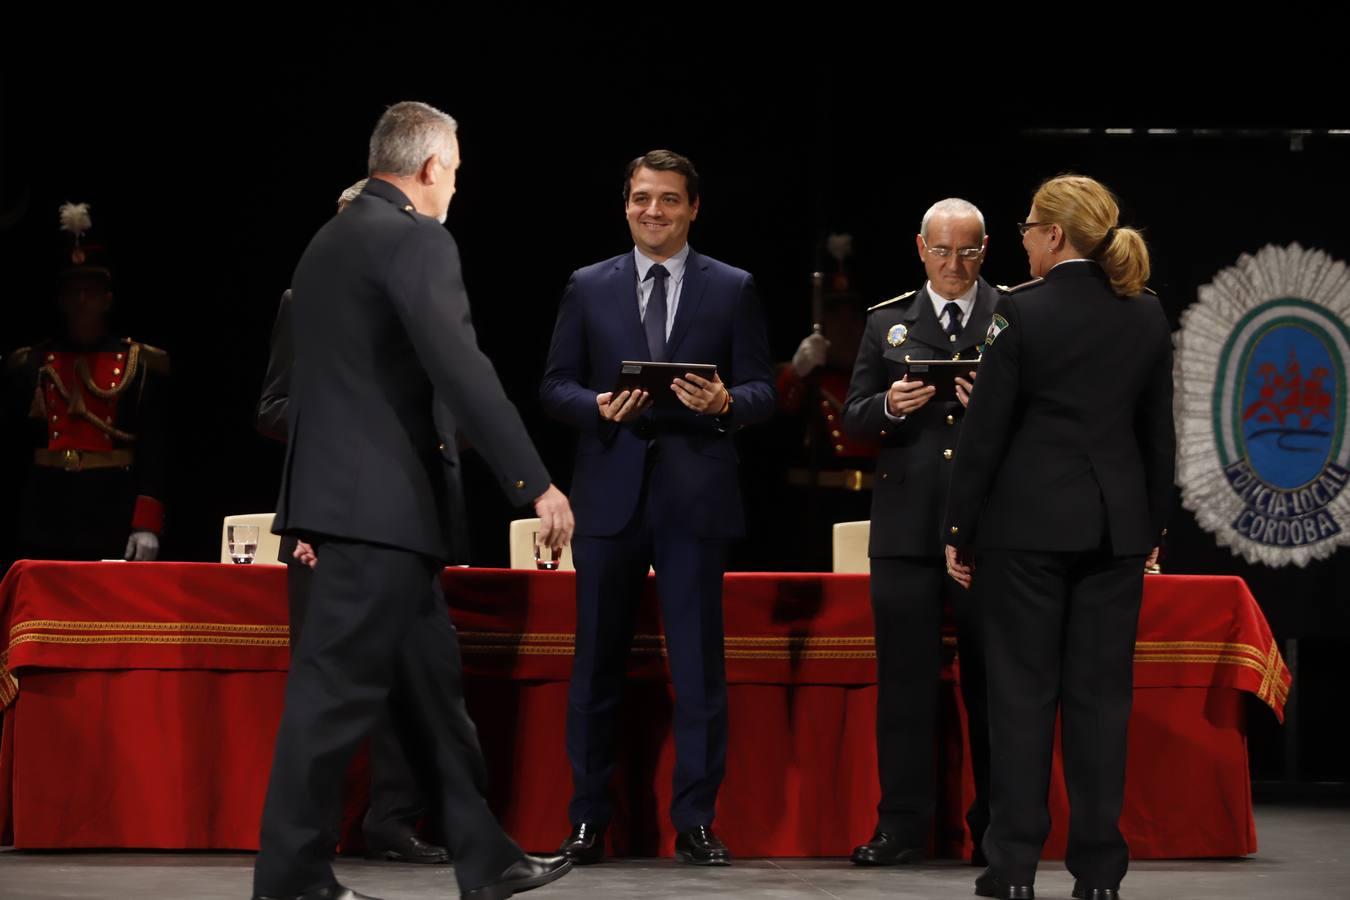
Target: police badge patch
897	334
995	329
1261	406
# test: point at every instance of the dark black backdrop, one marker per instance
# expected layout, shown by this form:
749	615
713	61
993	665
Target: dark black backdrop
207	181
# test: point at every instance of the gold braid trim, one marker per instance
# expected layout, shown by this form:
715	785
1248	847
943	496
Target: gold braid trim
75	400
133	363
55	378
163	633
67	625
9	685
210	640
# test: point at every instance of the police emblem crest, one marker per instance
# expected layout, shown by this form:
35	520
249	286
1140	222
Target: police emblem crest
997	325
1261	405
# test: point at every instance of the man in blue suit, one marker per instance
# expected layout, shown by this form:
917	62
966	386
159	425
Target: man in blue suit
655	487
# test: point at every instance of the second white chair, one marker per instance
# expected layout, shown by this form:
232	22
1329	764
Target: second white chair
850	548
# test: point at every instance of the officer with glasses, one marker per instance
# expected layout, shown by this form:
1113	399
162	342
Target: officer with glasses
948	318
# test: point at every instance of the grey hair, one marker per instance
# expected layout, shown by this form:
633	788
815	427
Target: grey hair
952	206
352	192
407	135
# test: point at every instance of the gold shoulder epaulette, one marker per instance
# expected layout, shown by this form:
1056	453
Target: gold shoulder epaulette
892	300
18	357
1149	290
153	358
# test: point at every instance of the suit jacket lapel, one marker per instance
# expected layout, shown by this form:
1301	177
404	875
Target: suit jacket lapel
691	296
923	322
624	293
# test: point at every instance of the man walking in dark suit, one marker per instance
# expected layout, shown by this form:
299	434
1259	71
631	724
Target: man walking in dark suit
655	487
396	799
947	318
381	327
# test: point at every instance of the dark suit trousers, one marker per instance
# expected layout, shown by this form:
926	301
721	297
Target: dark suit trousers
611	572
395	796
908	595
376	638
1062	628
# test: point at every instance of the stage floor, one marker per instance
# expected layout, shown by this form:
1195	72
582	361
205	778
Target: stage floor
1305	853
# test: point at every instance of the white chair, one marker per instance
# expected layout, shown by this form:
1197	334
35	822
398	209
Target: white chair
269	544
522	546
850	548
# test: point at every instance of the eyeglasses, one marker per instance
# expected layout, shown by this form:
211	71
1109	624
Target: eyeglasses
1024	227
964	252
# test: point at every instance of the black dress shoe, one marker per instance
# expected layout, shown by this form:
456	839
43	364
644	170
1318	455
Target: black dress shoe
525	874
1087	893
885	849
585	845
991	884
332	892
700	847
408	848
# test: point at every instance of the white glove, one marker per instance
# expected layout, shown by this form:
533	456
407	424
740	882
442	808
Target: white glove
142	546
810	355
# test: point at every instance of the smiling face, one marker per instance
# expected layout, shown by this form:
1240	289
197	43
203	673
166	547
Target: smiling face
659	212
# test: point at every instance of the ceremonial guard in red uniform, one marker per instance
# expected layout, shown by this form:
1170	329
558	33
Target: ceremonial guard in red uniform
829	472
86	411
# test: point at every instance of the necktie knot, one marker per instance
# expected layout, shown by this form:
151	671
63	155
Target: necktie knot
657	271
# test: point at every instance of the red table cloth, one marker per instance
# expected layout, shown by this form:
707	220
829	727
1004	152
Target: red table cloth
141	701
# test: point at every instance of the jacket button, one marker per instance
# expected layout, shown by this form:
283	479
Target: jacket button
951	420
440	447
946	454
117	371
520	485
834	434
883	476
55	418
955	529
838	448
883	432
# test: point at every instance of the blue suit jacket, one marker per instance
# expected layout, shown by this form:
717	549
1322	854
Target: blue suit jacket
693	483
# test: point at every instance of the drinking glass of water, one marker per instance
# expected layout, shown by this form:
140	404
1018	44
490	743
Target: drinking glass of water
546	557
243	541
